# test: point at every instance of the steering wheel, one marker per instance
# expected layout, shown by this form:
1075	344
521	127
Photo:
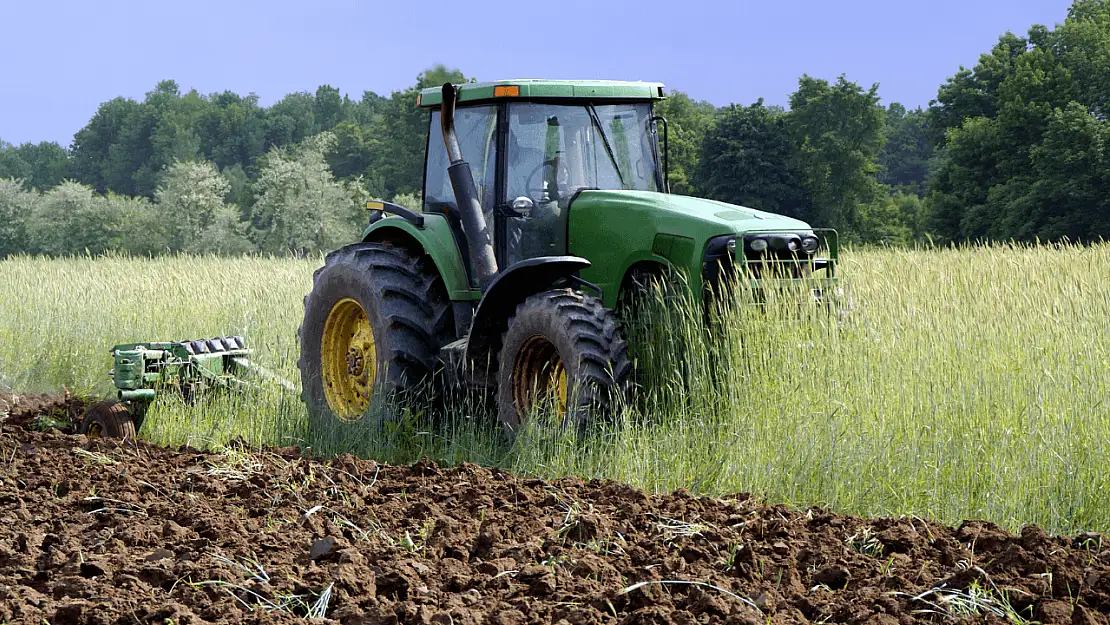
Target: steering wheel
537	192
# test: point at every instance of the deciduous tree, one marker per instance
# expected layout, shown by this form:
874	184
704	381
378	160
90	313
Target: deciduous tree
300	207
688	122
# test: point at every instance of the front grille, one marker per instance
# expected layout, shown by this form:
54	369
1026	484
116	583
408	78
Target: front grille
776	266
782	258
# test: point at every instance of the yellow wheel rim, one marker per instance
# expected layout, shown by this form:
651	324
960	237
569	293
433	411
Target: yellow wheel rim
94	431
539	378
349	361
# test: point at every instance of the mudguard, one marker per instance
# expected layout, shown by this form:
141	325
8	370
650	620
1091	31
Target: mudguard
438	241
507	291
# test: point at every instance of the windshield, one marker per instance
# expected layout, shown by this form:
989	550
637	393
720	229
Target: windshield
555	150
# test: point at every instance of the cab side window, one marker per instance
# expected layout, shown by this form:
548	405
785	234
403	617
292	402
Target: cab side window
476	127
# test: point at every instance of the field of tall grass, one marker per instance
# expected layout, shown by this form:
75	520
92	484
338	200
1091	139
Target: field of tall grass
963	383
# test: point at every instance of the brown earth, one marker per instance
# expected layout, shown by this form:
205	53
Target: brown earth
63	411
96	533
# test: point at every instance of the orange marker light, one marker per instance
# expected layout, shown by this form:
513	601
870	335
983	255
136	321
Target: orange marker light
507	91
418	96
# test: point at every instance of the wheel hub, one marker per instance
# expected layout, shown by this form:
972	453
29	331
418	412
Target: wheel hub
348	356
539	378
355	362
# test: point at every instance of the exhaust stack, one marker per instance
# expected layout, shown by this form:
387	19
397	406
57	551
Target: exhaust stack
478	236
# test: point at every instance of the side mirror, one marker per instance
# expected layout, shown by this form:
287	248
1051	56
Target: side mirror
523	206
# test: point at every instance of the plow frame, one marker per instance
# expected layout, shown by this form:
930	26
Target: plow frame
142	371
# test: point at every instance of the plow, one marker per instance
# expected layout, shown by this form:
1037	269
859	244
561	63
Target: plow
546	209
142	372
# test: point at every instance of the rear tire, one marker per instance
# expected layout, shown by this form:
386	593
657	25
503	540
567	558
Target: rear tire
396	302
563	351
108	419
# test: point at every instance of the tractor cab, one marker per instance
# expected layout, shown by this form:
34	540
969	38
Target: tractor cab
533	146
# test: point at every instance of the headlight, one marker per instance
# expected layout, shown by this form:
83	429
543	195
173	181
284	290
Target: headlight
759	245
810	245
731	245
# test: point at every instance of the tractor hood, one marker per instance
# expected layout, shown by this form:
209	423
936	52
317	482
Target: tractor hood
617	230
672	210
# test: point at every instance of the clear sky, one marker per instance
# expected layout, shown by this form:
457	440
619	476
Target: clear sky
63	58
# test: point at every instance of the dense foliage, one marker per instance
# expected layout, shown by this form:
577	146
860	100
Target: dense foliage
1026	136
1016	147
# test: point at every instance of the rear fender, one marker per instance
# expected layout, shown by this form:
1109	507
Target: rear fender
435	238
506	292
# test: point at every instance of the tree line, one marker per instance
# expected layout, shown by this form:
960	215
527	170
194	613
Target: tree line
218	173
1016	147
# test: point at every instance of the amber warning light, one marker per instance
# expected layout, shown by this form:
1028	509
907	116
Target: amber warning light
506	91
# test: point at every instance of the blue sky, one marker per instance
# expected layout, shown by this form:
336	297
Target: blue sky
63	58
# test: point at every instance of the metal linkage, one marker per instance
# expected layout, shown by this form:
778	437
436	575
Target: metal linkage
186	368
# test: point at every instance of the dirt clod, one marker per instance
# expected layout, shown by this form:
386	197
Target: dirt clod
321	548
539	579
835	577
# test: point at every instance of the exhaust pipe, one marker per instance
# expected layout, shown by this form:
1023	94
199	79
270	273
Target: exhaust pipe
478	236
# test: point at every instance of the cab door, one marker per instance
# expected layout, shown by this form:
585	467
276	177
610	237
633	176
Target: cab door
540	181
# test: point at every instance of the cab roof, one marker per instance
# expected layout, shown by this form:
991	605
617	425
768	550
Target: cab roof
534	88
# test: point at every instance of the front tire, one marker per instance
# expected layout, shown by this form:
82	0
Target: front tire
562	352
374	321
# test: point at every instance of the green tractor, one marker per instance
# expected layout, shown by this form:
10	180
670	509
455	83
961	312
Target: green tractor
545	204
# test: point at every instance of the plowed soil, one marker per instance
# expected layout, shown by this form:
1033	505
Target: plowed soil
97	533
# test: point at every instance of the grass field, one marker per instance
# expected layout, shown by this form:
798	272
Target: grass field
966	383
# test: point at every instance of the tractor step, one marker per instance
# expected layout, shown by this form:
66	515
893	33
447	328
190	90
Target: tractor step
453	357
